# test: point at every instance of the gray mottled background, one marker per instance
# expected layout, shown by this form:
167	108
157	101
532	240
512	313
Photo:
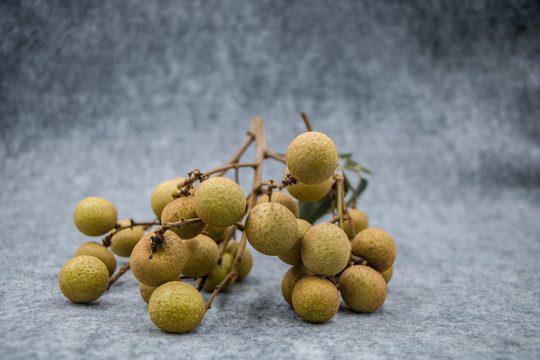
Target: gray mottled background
440	98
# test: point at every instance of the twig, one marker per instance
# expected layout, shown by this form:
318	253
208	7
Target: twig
236	157
275	156
107	239
339	195
306	121
120	272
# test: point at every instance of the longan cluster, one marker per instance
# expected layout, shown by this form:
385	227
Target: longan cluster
195	242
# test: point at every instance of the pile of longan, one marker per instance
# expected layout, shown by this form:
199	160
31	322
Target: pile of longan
326	259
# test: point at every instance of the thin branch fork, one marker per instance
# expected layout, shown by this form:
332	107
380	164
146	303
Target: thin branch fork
107	239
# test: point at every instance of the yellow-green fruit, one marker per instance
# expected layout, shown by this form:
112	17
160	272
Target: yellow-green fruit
376	246
362	288
325	249
218	234
164	265
146	291
315	299
309	193
271	228
220	273
202	255
246	263
101	252
176	307
294	255
83	279
163	194
291	277
94	216
312	158
359	221
220	202
283	199
387	274
182	208
123	242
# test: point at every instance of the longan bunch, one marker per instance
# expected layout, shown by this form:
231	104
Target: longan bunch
194	248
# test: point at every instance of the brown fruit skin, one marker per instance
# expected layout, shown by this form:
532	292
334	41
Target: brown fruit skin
176	307
309	193
291	277
294	255
220	202
83	279
359	220
124	241
95	216
271	228
315	299
146	291
246	263
166	263
182	208
101	252
325	249
376	246
217	234
283	199
362	288
163	194
220	273
387	274
202	255
312	158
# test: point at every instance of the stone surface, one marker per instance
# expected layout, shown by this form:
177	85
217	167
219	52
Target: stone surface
440	99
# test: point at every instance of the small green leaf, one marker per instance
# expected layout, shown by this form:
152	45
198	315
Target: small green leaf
362	185
345	155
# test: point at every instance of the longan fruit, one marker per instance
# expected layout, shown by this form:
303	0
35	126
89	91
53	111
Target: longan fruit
163	194
202	255
146	291
83	279
220	202
294	255
246	262
312	158
283	199
94	216
362	288
376	247
325	249
309	193
387	274
123	242
315	299
359	220
182	208
176	307
291	277
219	273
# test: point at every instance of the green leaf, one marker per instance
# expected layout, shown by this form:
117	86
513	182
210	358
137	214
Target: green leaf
312	211
362	185
345	156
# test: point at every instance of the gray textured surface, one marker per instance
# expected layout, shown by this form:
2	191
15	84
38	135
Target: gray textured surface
440	99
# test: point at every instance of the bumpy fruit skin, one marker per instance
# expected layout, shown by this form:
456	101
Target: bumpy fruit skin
247	259
283	199
163	194
291	277
325	249
166	263
271	228
362	288
101	252
315	299
94	216
312	158
182	208
220	273
202	255
294	255
360	222
124	241
176	307
146	291
309	193
387	274
220	202
83	279
376	246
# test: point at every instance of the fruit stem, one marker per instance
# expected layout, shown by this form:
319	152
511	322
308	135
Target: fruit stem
107	239
339	196
257	130
306	121
236	157
116	276
275	156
